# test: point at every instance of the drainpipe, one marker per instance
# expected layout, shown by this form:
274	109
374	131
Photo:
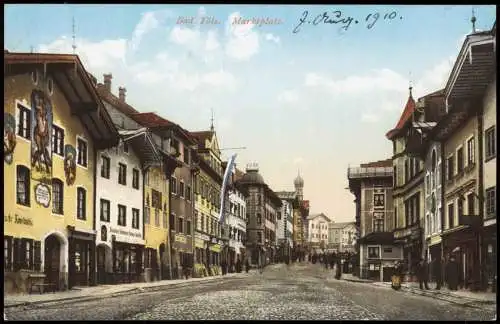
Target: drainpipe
481	197
442	211
94	221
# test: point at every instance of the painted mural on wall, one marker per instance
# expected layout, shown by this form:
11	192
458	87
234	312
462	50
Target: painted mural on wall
70	164
9	137
41	144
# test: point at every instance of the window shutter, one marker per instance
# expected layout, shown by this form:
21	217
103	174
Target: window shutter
24	261
37	247
16	255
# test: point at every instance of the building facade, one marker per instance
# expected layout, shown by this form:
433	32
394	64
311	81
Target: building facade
209	182
371	184
285	225
318	231
461	132
51	136
341	236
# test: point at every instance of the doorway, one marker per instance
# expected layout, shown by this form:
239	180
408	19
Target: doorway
52	260
101	265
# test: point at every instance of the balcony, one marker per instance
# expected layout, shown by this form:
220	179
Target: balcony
370	172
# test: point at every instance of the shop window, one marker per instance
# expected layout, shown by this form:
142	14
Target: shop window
23	185
57	196
81	203
491	202
21	253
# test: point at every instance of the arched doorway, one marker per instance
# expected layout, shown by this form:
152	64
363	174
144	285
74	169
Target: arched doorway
52	259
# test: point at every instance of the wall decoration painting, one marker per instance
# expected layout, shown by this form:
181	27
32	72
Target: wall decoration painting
41	130
9	137
70	164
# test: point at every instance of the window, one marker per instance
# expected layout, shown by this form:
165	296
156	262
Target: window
173	186
81	203
135	218
202	225
395	177
135	179
172	222
122	215
407	171
57	140
279	215
23	118
188	227
57	196
181	189
23	185
460	207
157	217
156	199
451	216
180	225
460	160
186	155
125	147
82	152
188	192
470	204
122	174
7	253
105	210
491	202
373	252
147	211
378	225
105	164
490	142
470	151
259	219
449	168
378	201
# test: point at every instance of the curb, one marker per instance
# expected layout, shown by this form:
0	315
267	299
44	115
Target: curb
116	294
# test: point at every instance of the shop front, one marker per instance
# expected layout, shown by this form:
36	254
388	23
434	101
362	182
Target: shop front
461	243
182	254
127	262
490	256
81	257
411	240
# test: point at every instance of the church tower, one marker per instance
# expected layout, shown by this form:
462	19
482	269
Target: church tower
299	187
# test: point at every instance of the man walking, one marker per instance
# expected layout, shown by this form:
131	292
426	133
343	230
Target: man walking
423	274
437	272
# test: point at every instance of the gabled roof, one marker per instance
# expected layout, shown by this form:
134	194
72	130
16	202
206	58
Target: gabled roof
152	120
75	84
405	116
313	216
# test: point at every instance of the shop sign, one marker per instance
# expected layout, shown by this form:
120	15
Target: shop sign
42	195
123	232
215	248
17	219
203	237
179	238
199	243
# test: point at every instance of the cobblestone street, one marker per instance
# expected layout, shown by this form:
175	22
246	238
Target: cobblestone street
296	292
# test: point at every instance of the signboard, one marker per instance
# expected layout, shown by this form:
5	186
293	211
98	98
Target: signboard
42	195
215	248
378	215
203	237
17	219
123	232
199	243
180	238
413	231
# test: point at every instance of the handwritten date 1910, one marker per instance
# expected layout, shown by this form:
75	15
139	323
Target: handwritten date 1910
336	18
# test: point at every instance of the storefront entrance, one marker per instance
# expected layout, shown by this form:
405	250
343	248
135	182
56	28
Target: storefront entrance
101	264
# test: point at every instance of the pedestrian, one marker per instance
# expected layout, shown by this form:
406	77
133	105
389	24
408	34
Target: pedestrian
238	265
452	273
223	265
338	270
332	260
423	274
247	265
436	269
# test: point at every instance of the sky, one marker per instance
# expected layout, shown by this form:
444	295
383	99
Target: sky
316	100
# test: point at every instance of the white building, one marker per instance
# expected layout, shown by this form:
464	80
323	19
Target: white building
284	226
318	230
341	236
236	223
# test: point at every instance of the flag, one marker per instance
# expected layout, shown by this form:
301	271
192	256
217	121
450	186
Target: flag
227	174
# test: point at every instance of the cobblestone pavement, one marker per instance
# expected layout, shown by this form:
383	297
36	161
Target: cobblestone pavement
296	292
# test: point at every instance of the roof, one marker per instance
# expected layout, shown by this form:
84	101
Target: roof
377	164
405	116
106	95
153	120
75	84
313	216
202	136
252	177
342	225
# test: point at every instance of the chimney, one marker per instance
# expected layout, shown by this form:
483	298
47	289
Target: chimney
107	81
121	93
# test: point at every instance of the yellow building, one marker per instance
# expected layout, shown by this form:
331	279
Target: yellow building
54	122
209	239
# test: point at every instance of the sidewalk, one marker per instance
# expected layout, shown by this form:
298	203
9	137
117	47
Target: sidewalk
96	292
